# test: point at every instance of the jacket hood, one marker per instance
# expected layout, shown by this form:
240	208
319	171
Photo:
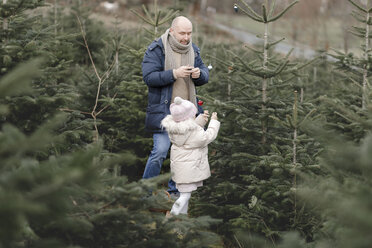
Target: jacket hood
178	131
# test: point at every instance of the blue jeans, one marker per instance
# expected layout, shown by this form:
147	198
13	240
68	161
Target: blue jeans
158	154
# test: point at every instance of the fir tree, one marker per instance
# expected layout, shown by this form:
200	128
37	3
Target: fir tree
360	67
350	93
29	35
58	198
341	194
253	188
34	192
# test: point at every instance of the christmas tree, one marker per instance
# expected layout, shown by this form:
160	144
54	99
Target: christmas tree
260	149
58	183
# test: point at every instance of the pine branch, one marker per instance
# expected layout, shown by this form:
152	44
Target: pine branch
22	75
258	19
219	60
148	14
251	10
108	105
347	113
283	12
291	124
356	83
343	116
157	16
168	16
358	6
264	14
152	33
259	71
108	72
360	30
274	43
272	8
337	51
309	62
358	16
281	67
74	110
357	34
142	18
252	49
284	124
307	117
237	241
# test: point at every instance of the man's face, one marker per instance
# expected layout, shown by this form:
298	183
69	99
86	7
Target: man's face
182	32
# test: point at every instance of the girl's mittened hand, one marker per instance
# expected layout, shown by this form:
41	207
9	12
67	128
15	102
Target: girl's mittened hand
214	116
206	115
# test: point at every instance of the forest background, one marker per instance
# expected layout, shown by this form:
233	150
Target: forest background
291	166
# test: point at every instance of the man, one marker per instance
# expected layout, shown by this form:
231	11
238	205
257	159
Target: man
171	67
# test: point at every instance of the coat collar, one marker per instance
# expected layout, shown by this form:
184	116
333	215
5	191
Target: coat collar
159	43
178	127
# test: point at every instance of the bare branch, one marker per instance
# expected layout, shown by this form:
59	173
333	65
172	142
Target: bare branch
105	107
87	47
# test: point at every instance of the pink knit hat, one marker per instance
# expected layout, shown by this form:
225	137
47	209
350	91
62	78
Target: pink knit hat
182	109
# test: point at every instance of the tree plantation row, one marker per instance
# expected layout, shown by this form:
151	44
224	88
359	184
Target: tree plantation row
291	166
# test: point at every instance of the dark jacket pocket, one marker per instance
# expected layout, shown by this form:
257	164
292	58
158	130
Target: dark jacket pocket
154	115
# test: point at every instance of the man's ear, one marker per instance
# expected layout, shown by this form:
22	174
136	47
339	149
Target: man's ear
170	30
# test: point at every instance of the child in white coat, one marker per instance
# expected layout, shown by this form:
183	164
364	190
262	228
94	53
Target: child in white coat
189	151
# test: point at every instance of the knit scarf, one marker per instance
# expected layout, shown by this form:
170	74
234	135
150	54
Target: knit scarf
171	46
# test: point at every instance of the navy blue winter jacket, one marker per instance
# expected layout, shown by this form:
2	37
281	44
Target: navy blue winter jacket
160	83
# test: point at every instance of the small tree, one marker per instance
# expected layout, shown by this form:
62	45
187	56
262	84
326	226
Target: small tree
266	69
155	19
359	67
253	187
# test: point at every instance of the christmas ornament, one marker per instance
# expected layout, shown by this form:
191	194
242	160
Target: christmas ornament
236	8
200	102
210	67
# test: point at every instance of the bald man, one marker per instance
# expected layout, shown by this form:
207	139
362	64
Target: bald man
171	67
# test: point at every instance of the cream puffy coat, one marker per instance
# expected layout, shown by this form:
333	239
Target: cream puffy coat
189	151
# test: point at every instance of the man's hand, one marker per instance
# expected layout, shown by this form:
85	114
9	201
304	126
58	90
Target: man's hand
214	116
183	71
195	72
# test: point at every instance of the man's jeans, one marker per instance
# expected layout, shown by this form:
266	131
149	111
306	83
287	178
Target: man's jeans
158	154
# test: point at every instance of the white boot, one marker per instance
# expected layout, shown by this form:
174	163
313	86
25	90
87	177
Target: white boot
181	205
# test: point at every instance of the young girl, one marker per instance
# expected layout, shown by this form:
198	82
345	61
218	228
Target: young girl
189	151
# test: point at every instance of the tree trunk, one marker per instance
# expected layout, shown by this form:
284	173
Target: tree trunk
346	39
294	142
264	83
365	70
195	8
203	6
5	20
55	18
294	170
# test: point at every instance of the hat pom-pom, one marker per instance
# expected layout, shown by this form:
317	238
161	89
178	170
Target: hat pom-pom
178	100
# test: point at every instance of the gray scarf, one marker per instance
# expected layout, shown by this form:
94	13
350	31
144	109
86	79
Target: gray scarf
171	46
